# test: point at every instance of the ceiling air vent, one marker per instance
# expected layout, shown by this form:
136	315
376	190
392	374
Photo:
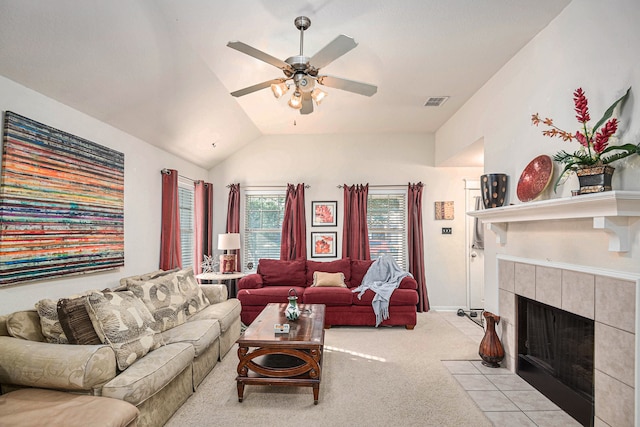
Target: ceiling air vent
435	101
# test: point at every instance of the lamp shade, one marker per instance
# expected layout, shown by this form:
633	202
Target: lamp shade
229	241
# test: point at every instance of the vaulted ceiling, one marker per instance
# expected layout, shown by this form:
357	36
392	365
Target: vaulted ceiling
160	69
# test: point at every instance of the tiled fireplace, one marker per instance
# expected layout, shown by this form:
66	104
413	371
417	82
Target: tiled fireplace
608	298
539	252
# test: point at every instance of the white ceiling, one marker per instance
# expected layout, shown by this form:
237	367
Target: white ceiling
160	69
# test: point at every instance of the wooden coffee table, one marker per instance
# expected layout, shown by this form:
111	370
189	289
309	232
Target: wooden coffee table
293	359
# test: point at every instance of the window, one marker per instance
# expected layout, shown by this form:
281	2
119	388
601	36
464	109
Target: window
185	202
387	222
264	214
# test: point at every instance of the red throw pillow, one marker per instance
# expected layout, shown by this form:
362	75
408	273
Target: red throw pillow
359	268
282	273
339	266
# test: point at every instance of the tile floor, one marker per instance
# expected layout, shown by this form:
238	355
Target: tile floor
505	398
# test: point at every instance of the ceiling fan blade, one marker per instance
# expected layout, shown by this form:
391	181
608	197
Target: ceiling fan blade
258	54
348	85
307	103
334	50
256	87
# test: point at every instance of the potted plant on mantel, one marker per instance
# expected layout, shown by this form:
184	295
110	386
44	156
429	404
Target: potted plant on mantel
592	161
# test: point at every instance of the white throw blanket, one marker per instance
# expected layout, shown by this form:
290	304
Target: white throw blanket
383	277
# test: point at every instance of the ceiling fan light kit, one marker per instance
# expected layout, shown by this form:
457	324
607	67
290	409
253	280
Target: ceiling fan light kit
304	72
296	101
279	89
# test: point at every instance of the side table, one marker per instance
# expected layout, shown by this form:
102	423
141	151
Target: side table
223	277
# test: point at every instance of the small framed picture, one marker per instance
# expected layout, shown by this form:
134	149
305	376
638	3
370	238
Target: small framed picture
324	214
444	210
323	245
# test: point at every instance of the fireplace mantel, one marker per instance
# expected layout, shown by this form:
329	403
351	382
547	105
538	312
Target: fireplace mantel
612	211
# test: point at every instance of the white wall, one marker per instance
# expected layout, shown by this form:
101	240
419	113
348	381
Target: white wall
325	161
142	194
593	45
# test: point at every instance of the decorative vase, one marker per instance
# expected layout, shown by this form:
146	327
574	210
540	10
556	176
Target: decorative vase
595	179
292	312
494	189
491	350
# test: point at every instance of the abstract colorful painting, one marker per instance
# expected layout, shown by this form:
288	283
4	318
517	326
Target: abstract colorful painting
61	203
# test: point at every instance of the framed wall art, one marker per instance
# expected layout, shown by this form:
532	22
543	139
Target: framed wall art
324	214
61	203
444	210
323	244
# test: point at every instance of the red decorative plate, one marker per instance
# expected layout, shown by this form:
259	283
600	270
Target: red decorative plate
535	178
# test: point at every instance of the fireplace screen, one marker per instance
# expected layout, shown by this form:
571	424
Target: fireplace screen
555	355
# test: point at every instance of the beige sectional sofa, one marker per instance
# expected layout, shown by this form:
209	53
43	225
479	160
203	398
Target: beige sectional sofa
153	358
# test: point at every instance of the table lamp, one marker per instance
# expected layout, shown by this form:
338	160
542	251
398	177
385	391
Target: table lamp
227	242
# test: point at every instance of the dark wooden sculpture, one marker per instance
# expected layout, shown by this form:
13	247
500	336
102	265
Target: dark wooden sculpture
491	350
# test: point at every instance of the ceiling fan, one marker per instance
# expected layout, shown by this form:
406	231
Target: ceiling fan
304	71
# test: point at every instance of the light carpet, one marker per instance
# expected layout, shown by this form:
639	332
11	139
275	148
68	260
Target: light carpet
370	377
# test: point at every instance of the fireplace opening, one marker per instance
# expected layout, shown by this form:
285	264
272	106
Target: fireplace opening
555	355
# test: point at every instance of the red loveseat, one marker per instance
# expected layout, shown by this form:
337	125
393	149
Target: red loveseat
274	278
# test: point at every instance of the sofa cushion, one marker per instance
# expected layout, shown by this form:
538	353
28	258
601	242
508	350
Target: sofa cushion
268	294
35	407
329	296
359	268
200	334
328	280
25	325
50	323
339	266
226	313
124	322
282	273
125	281
75	321
149	375
398	297
196	300
163	298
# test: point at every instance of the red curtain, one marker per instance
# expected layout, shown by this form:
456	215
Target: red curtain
170	254
233	216
203	225
416	243
355	234
233	209
293	244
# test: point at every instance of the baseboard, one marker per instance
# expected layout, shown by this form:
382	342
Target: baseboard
447	308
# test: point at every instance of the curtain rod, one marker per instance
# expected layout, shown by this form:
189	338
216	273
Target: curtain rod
166	171
266	186
382	185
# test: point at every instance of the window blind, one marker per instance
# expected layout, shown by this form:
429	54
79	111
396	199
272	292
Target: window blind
187	245
387	222
264	214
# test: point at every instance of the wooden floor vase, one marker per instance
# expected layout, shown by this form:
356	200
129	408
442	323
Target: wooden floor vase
491	350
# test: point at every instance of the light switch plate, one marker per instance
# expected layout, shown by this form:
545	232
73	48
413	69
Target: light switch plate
446	230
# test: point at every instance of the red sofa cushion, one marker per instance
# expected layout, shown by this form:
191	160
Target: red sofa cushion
328	296
263	296
359	268
339	266
275	272
398	297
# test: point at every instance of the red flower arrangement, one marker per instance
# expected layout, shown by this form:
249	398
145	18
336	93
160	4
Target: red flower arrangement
595	149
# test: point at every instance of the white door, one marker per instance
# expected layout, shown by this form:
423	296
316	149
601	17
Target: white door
475	254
